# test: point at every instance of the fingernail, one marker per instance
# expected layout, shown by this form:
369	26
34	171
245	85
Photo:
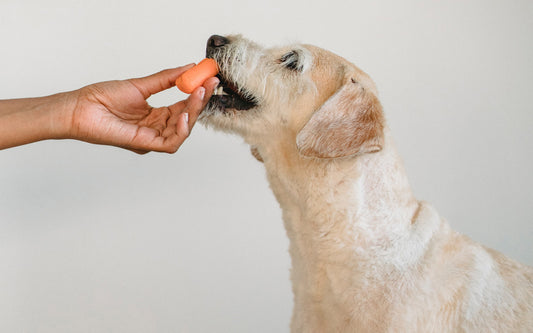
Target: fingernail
201	92
186	118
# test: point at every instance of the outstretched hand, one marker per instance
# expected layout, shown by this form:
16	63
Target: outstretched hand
117	113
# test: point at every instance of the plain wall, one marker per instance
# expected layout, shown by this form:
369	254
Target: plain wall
97	239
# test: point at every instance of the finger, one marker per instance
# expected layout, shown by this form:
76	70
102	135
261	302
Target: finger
170	140
183	129
183	117
178	124
199	99
210	85
148	139
172	124
152	84
195	105
173	142
179	107
142	139
175	111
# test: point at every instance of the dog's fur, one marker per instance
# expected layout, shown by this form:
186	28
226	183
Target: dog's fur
367	256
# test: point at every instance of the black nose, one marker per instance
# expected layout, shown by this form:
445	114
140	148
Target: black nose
217	41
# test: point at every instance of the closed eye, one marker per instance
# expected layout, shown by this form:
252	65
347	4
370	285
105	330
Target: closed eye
290	60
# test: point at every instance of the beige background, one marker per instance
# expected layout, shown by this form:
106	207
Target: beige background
96	239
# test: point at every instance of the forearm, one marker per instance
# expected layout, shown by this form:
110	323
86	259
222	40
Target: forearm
28	120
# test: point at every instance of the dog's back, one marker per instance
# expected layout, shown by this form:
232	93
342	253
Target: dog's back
465	287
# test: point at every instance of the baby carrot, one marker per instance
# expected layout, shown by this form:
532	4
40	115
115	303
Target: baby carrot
196	76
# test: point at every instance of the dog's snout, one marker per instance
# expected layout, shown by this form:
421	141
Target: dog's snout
217	41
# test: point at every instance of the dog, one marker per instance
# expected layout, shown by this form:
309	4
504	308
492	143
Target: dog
367	256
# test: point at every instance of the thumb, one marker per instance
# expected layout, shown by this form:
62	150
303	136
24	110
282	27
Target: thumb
152	84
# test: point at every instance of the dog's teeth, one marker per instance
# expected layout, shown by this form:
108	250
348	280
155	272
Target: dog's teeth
219	91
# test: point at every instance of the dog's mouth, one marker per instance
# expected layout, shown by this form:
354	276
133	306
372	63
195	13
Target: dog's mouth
228	95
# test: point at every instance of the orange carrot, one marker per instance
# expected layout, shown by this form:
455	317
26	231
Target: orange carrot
196	76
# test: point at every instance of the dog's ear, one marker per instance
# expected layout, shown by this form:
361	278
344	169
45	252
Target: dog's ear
255	153
350	122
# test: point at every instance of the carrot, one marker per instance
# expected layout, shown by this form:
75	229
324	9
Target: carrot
196	76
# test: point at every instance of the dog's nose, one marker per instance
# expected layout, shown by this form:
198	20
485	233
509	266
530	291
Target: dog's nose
217	41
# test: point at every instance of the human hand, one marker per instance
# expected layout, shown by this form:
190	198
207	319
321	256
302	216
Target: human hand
117	113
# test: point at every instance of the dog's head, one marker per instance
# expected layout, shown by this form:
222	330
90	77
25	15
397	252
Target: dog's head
322	105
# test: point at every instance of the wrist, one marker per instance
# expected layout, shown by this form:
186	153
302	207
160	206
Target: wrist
51	115
29	120
59	114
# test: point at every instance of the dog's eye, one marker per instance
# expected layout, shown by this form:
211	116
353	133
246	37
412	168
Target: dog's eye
290	61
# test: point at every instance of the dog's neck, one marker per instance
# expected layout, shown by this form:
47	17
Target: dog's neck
350	203
348	221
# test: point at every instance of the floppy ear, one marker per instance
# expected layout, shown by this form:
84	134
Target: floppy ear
350	122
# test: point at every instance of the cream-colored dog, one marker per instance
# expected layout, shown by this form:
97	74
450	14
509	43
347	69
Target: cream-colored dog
367	256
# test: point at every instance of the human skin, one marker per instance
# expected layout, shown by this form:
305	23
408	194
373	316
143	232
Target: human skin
110	113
